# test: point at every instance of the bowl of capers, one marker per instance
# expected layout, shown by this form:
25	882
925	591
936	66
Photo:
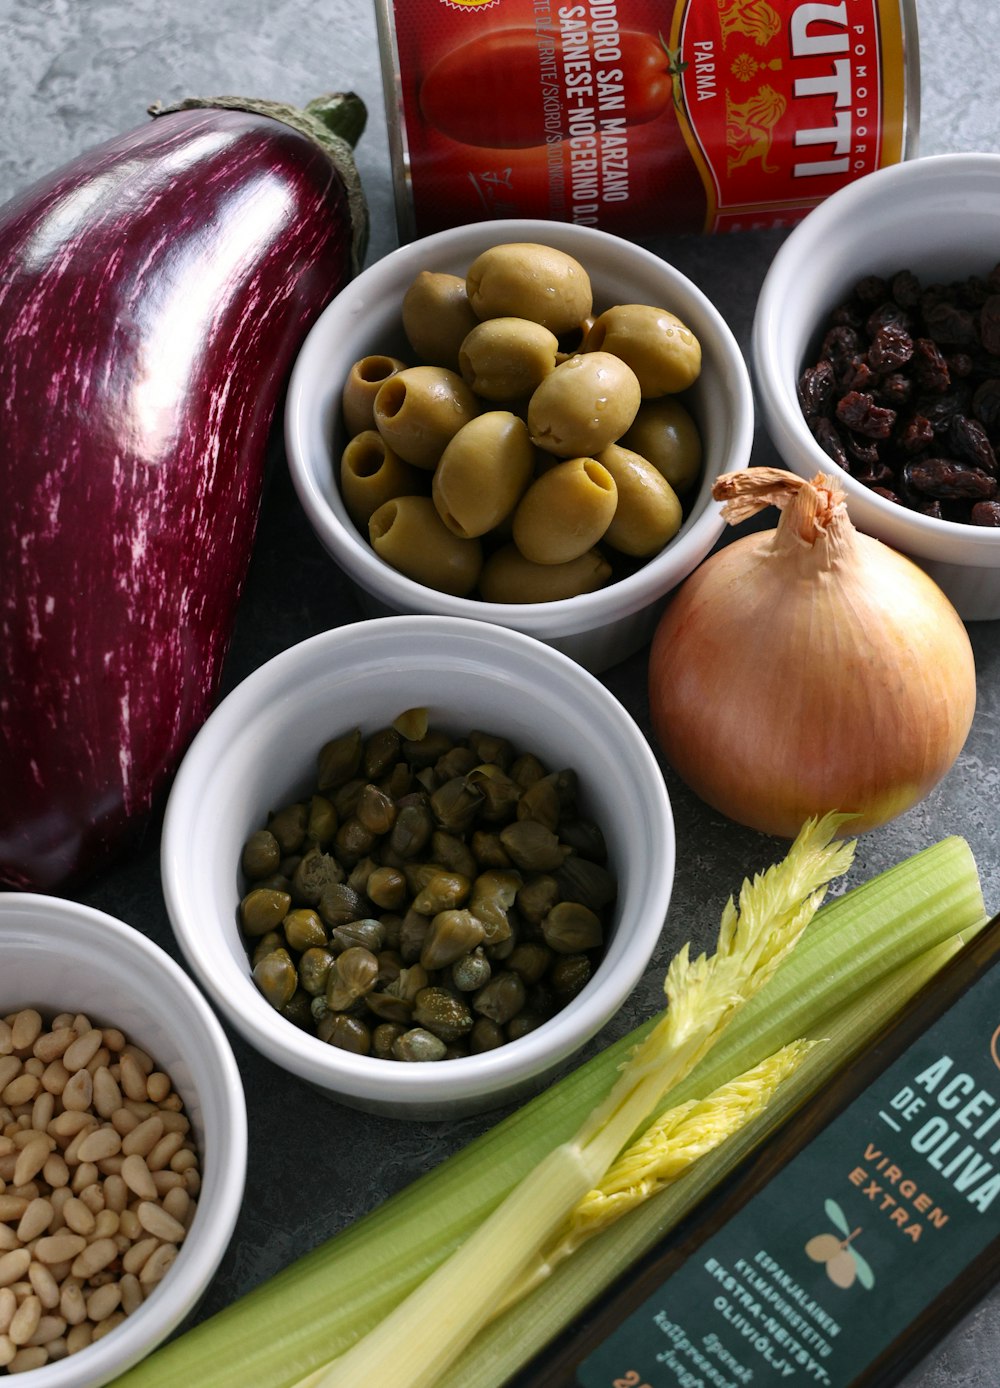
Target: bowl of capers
520	422
419	862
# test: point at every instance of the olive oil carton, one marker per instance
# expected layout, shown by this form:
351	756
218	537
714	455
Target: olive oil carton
843	1249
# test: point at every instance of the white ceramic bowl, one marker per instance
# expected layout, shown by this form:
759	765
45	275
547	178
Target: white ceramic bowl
597	629
939	217
56	956
258	751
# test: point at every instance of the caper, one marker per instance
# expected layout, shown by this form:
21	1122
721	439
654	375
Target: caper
501	998
347	1033
369	933
412	724
398	781
339	759
585	838
346	797
412	934
314	969
386	887
529	960
381	752
493	894
410	982
569	975
500	793
522	1025
263	909
354	973
297	1010
486	1035
274	939
536	897
412	830
455	804
390	965
357	878
471	971
353	840
441	891
442	1012
451	935
321	824
376	810
304	929
383	1037
288	826
570	928
453	853
339	904
533	847
581	880
315	872
526	770
390	1007
457	761
418	1044
488	850
541	802
261	854
276	978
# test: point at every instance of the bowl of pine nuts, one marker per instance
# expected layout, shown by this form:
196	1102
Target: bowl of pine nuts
123	1143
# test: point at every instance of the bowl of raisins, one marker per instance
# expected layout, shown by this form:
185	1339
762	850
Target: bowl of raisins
876	357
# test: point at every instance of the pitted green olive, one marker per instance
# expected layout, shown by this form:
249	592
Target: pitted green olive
648	513
483	473
418	410
371	474
662	351
525	280
437	316
409	534
565	512
504	359
508	577
587	402
364	380
665	433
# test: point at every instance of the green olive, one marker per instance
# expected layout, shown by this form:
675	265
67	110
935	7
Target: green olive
508	577
587	402
437	316
664	432
483	473
504	359
648	513
418	410
371	473
565	512
409	534
662	351
363	383
525	280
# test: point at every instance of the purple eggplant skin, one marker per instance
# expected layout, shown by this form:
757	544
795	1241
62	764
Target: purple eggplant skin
153	296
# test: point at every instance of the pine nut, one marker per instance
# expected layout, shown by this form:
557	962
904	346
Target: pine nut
158	1086
132	1078
104	1301
155	1220
95	1257
53	1044
93	1198
129	1226
55	1170
7	1350
55	1077
13	1266
8	1305
79	1219
59	1248
25	1028
110	1323
135	1259
42	1110
136	1175
31	1160
132	1296
12	1207
49	1328
144	1137
107	1095
45	1285
68	1125
6	1037
114	1039
97	1145
25	1321
157	1265
79	1337
79	1090
85	1175
168	1145
35	1220
31	1357
10	1068
106	1225
115	1193
177	1203
71	1303
81	1052
21	1090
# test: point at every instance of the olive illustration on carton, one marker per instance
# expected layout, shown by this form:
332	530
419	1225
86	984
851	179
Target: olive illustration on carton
844	1264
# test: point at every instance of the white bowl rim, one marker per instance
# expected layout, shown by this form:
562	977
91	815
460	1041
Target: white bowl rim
780	404
177	1296
568	615
365	1077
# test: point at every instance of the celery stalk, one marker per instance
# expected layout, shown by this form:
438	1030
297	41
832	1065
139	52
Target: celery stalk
326	1299
509	1342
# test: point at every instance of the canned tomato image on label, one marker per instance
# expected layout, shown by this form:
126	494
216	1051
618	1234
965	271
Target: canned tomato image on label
636	116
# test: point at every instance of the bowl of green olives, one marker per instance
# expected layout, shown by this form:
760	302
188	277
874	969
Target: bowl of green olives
520	422
419	862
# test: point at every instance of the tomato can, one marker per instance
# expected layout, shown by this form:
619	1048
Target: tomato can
642	116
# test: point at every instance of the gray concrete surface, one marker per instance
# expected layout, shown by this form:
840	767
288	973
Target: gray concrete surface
73	72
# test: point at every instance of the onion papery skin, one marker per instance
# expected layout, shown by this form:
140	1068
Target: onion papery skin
780	688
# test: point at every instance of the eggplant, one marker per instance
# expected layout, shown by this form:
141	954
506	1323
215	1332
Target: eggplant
153	296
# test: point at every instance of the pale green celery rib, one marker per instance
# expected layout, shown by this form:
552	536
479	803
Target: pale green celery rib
506	1345
319	1305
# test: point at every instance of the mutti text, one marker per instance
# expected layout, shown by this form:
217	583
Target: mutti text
836	72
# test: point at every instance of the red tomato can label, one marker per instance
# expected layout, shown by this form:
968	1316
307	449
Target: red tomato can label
642	116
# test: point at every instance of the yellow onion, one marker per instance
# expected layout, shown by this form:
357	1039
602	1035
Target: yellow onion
808	668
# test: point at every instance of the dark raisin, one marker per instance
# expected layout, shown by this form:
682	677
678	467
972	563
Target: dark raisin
878	475
986	403
915	435
894	390
827	436
841	344
863	452
816	387
891	347
888	493
985	513
946	478
871	290
858	411
950	325
989	325
969	441
930	367
960	365
856	375
887	315
905	289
